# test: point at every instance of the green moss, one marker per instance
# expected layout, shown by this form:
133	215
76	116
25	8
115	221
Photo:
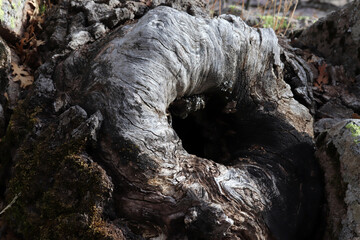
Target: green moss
232	8
42	9
22	121
61	189
303	18
275	23
355	131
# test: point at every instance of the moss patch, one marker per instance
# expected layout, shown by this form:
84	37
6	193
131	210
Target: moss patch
355	131
62	189
21	123
275	23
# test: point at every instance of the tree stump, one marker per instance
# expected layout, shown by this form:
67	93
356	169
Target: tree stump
187	126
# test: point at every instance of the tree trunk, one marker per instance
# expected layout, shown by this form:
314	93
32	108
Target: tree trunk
173	127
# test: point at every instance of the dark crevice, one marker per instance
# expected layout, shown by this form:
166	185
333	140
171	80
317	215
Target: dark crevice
200	131
245	137
290	77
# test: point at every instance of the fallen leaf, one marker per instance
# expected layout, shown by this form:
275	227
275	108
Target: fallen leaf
40	20
39	43
30	30
356	116
323	77
36	43
27	47
20	74
6	95
20	46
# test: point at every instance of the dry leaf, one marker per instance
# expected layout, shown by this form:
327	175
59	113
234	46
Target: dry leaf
20	46
40	20
31	30
356	116
36	43
20	74
6	95
39	43
323	77
27	46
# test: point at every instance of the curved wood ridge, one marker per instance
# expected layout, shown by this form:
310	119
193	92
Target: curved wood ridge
169	55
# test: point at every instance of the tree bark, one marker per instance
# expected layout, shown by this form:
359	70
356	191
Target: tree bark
118	102
170	55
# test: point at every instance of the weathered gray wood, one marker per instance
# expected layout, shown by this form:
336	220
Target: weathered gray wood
133	78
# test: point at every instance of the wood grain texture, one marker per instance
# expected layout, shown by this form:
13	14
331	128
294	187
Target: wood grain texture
138	72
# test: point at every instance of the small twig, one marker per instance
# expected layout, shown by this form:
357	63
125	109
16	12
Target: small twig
213	7
219	7
10	204
291	16
265	7
277	17
242	9
274	18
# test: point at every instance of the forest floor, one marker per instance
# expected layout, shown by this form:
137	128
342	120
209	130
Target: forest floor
266	13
